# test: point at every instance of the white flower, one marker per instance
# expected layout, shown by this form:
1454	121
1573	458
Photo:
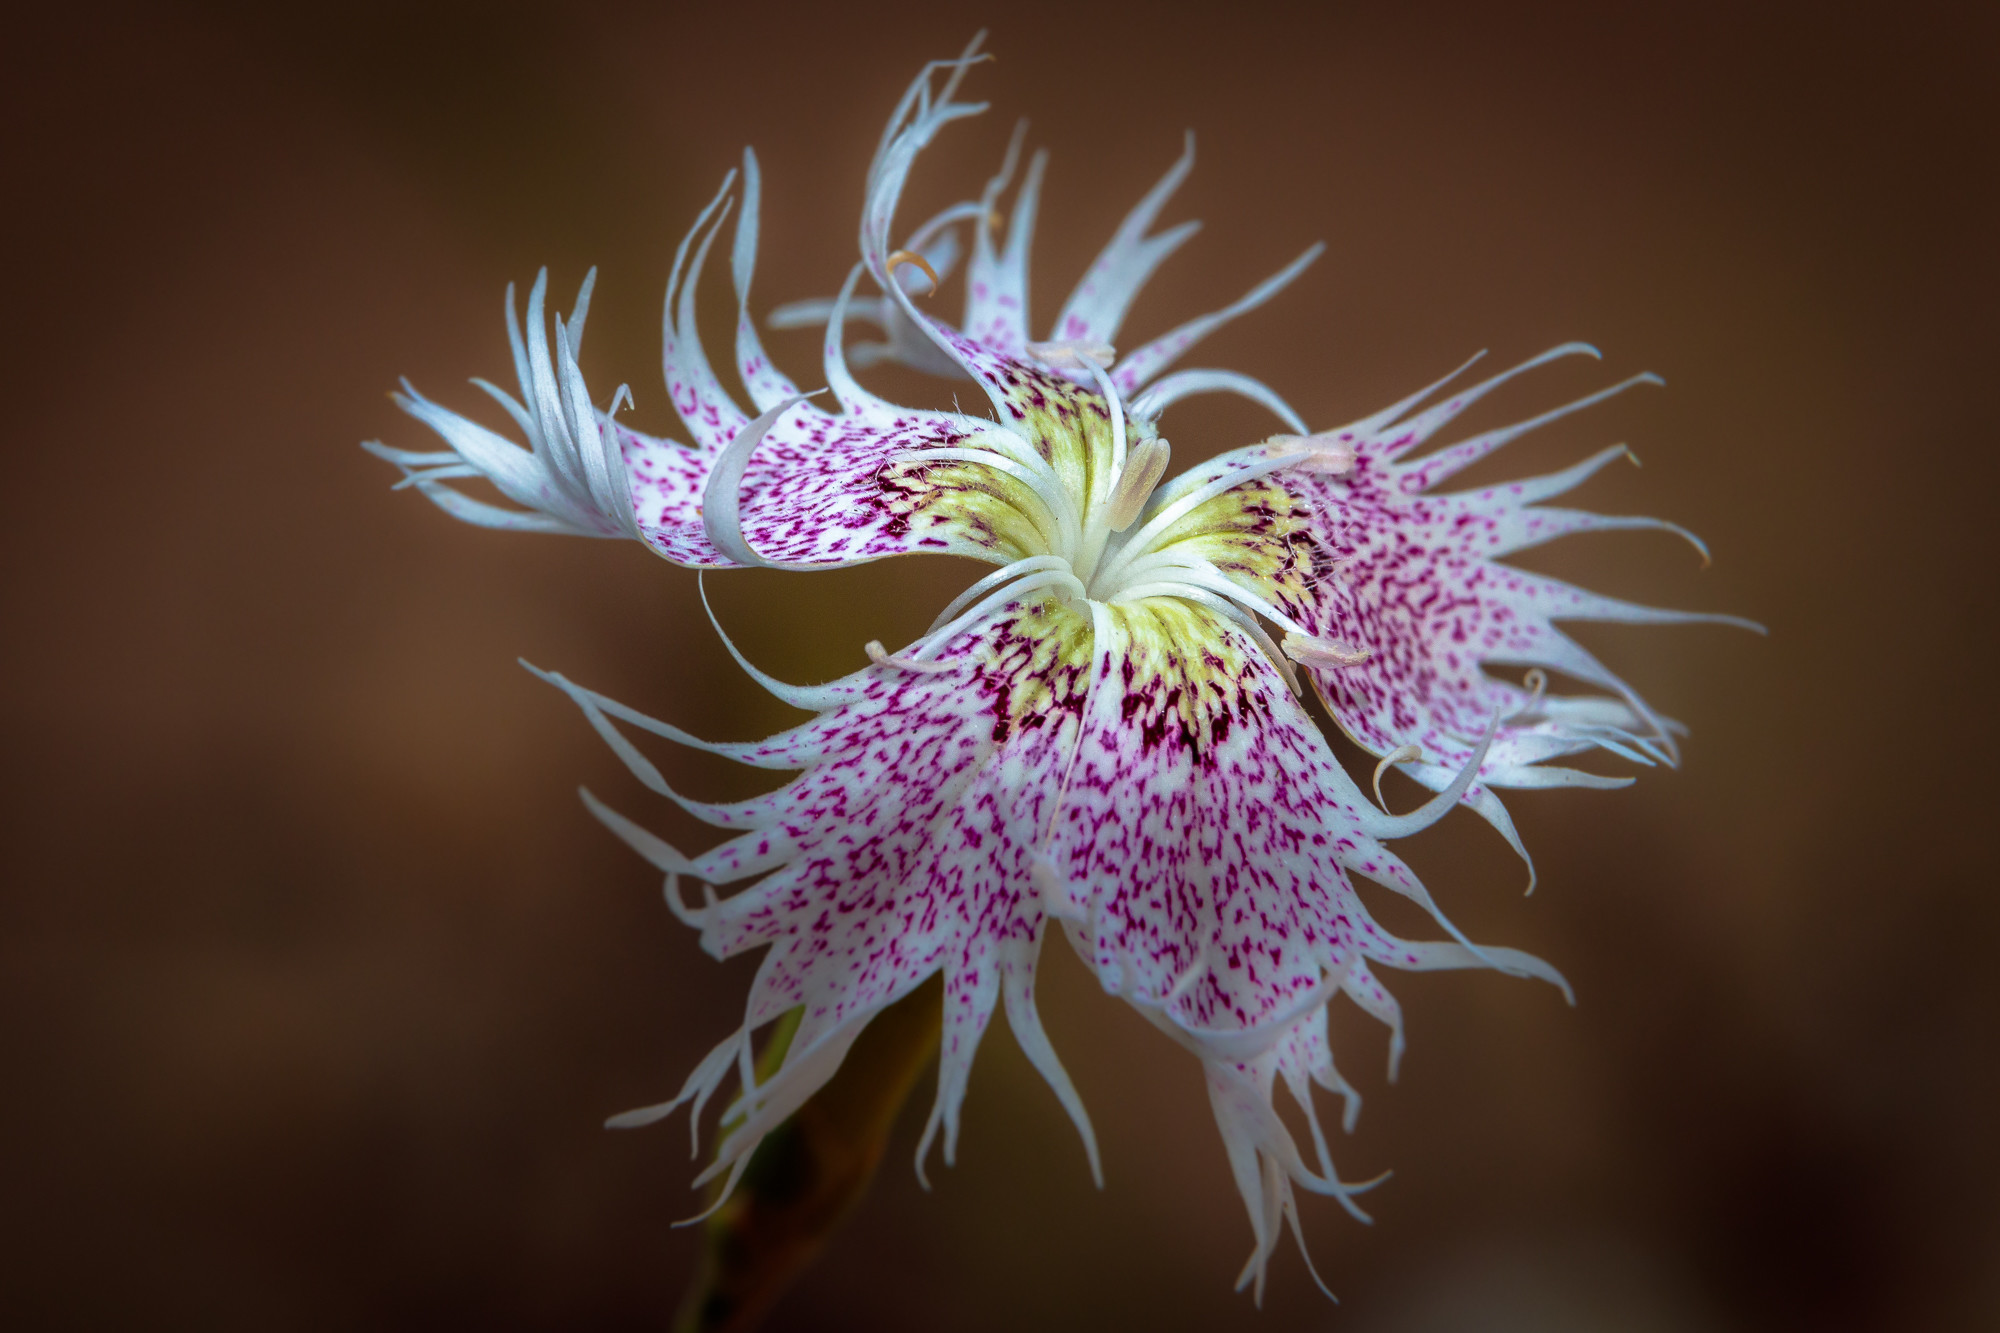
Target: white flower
1104	731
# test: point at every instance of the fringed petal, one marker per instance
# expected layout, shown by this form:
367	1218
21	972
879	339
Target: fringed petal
1096	310
767	385
705	408
904	848
993	343
996	285
1149	360
1410	582
803	487
1104	731
572	477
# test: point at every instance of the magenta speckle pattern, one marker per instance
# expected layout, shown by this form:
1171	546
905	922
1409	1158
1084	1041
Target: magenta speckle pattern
1141	773
1105	733
909	835
1416	579
1207	833
820	490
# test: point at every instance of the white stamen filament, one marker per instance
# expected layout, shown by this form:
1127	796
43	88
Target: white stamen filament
1059	523
1012	592
1241	614
1321	654
1402	754
1182	567
1092	551
993	444
1034	564
1101	505
1116	405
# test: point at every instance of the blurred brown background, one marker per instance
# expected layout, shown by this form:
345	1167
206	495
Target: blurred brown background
318	983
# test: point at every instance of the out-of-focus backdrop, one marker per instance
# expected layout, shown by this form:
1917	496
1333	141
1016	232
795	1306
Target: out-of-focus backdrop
318	982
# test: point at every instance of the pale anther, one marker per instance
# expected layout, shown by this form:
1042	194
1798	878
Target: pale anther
900	257
1313	453
1321	654
1143	470
1072	355
881	656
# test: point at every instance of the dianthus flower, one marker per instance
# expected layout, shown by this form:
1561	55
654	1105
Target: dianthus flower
1105	731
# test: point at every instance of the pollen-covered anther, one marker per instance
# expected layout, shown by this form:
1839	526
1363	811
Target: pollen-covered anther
1321	654
881	656
900	257
1143	470
1072	355
1315	454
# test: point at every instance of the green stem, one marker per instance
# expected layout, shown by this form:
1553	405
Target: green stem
809	1172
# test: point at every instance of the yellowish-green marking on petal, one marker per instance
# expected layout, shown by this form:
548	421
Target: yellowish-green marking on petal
1181	668
972	501
1257	533
1041	662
